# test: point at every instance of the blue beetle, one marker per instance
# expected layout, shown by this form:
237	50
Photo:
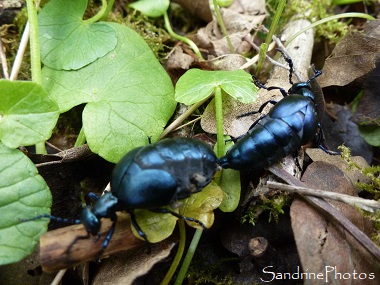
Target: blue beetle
150	177
291	123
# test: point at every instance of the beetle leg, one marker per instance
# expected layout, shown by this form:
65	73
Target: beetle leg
179	216
321	142
136	226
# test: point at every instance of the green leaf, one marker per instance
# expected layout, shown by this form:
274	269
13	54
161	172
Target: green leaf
69	42
201	205
24	195
371	134
27	113
151	8
129	96
229	181
196	85
158	226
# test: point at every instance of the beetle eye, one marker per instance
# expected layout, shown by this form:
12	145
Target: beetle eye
90	221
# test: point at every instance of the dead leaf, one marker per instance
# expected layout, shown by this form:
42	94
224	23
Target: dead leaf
369	106
322	245
198	8
125	268
316	154
353	57
240	19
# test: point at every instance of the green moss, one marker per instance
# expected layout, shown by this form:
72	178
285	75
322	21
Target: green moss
149	29
274	204
316	10
373	173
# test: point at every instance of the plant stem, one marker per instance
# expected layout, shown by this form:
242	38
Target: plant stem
188	257
220	21
219	121
345	15
178	256
181	118
35	57
81	139
272	30
181	38
107	11
98	15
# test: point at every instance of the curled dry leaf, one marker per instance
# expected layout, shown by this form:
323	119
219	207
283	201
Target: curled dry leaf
316	154
353	57
325	247
240	19
369	106
124	268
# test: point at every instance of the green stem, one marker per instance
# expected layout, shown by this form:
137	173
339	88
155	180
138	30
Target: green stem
81	139
108	10
189	256
35	57
219	121
220	21
98	15
272	30
181	118
345	15
181	38
178	256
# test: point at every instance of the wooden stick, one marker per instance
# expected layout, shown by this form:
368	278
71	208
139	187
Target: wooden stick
57	250
330	211
365	204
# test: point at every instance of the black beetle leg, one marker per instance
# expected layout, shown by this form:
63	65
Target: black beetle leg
164	211
108	237
136	226
321	142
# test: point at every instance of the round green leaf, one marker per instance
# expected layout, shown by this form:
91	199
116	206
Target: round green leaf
129	96
151	8
196	85
371	134
230	183
24	195
67	41
27	113
201	205
156	226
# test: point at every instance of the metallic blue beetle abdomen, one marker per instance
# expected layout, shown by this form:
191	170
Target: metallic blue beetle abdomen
159	174
291	123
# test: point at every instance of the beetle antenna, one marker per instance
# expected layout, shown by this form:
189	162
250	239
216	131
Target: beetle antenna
53	218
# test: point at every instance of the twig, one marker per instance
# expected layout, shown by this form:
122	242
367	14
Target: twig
256	57
331	212
3	60
365	204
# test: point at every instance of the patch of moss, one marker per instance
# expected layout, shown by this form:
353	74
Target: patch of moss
373	173
316	10
149	29
274	204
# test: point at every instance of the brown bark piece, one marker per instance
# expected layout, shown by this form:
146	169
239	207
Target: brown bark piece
57	250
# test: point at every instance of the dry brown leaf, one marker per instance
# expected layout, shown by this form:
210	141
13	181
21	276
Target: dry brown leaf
353	57
316	154
240	19
322	245
124	268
